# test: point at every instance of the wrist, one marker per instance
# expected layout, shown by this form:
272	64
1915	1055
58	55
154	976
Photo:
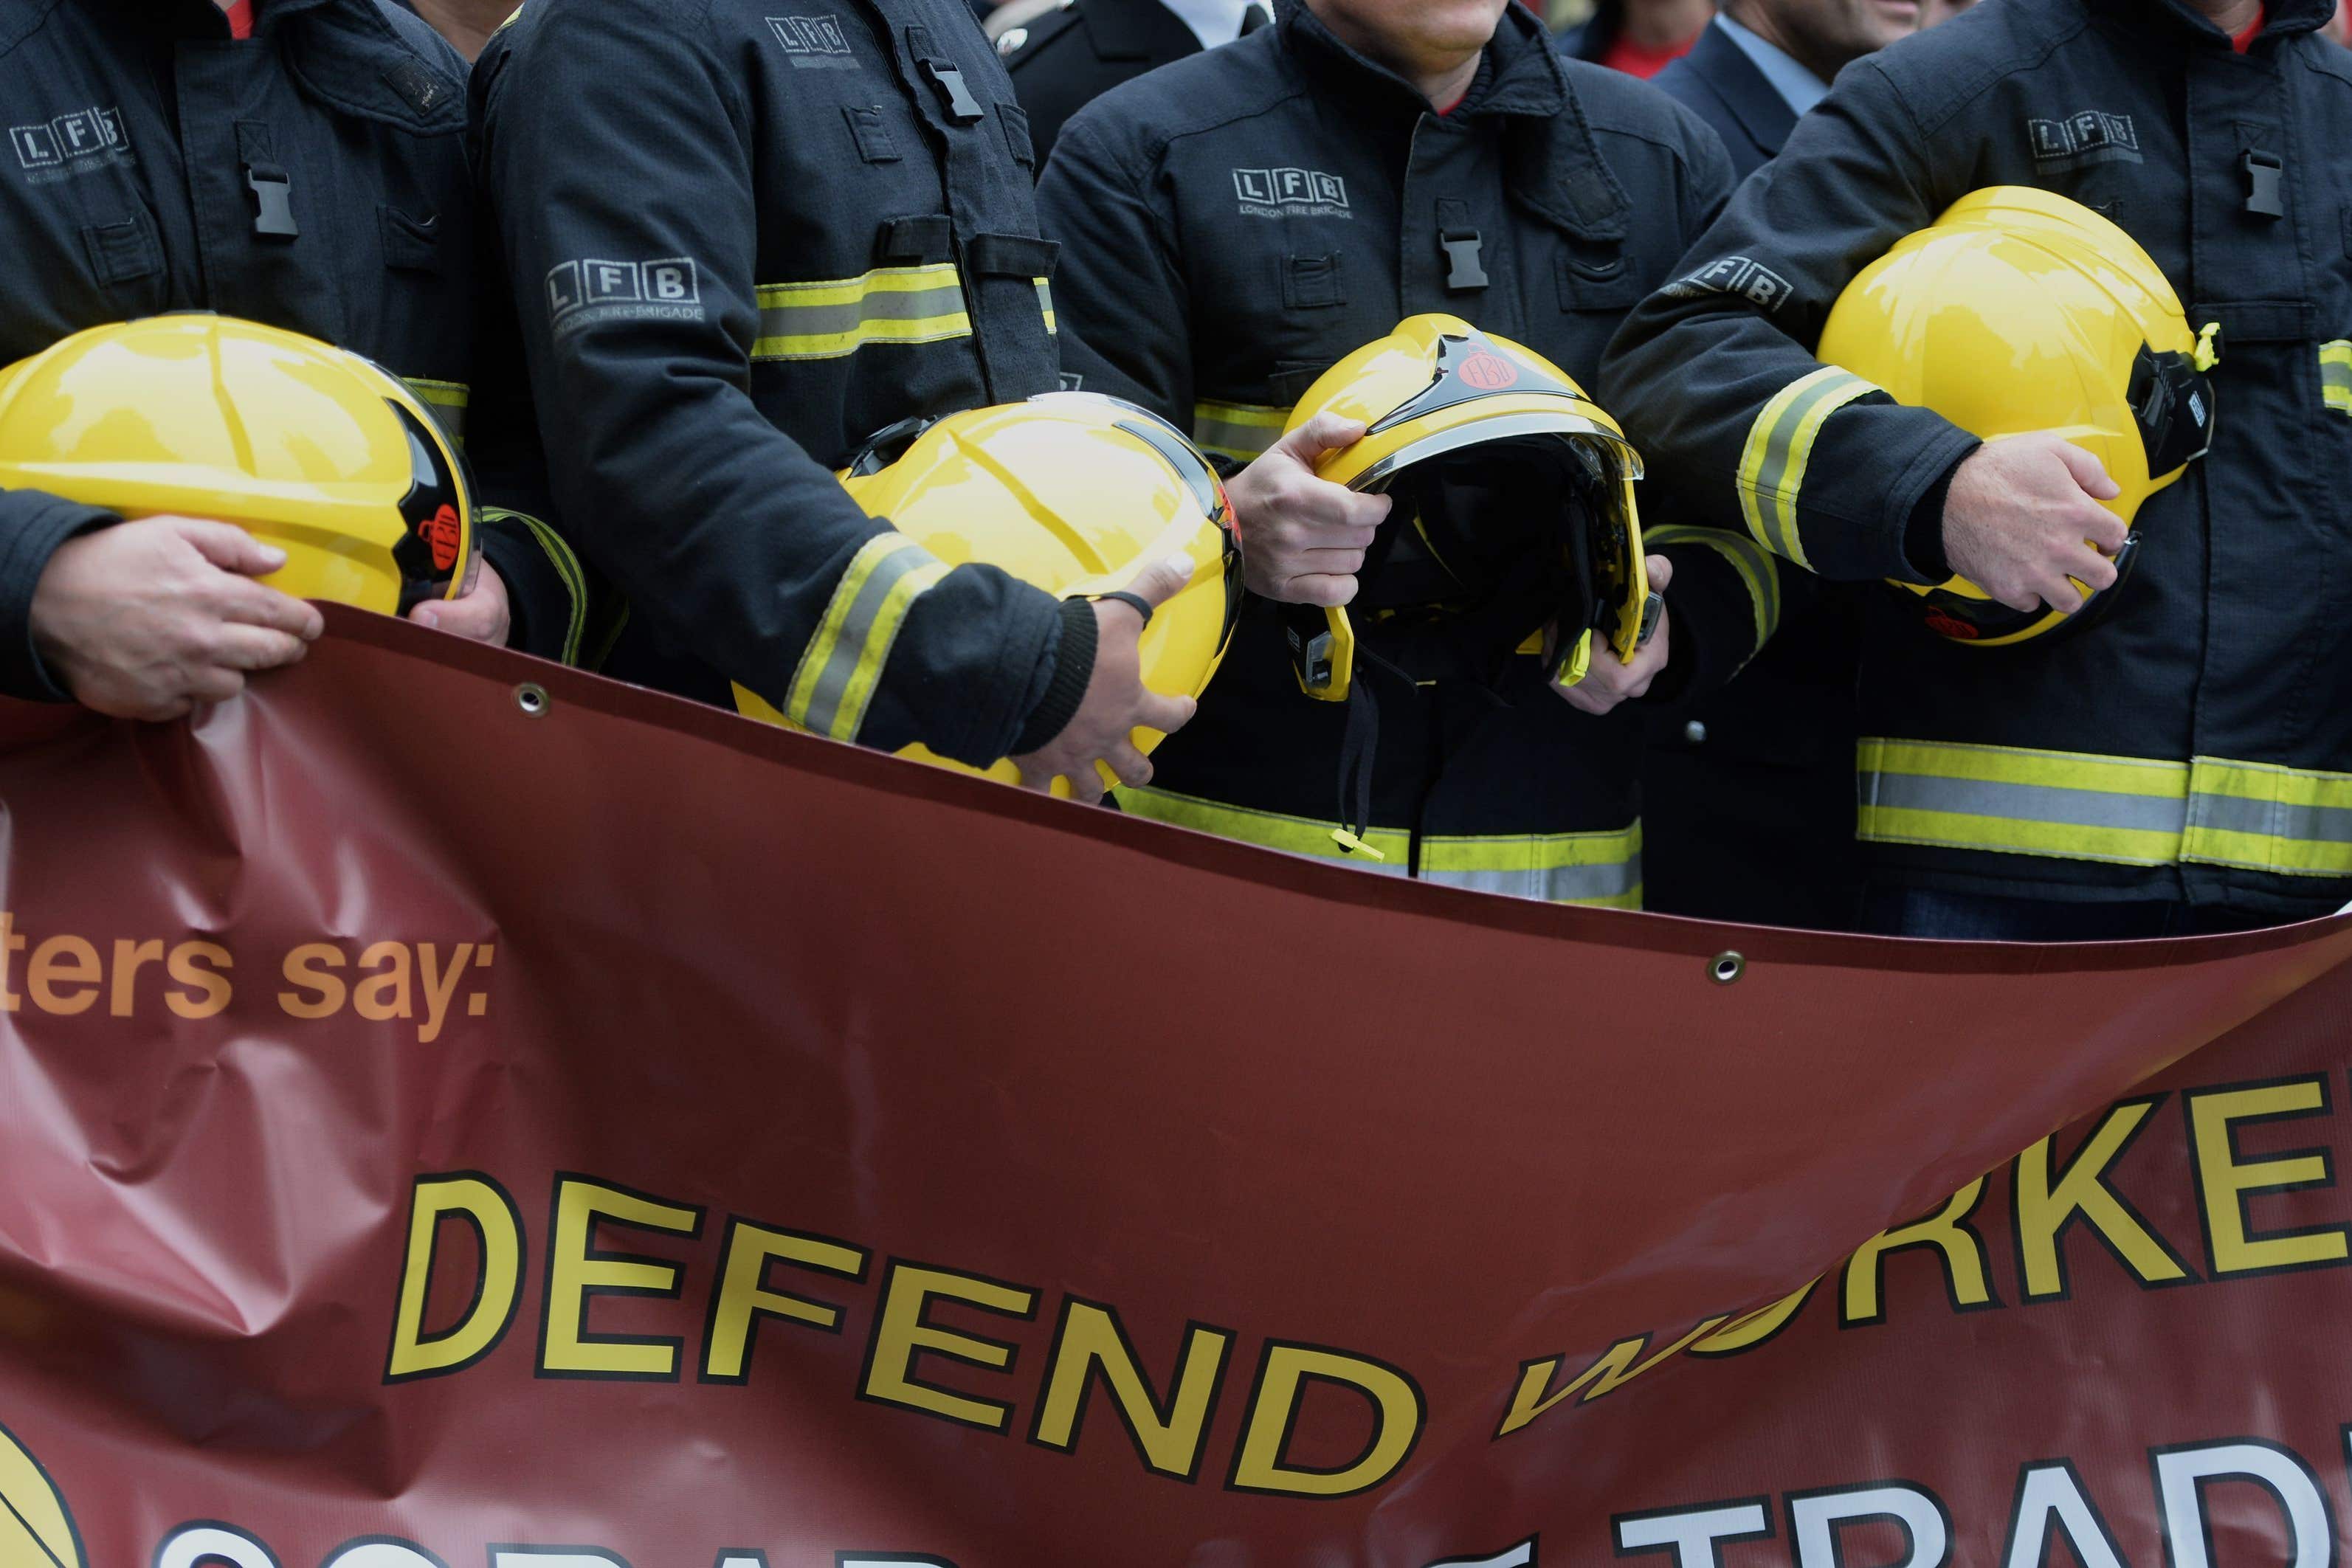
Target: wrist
1066	689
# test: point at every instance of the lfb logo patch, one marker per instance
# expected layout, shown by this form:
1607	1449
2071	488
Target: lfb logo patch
69	137
814	42
1291	193
1488	371
2090	137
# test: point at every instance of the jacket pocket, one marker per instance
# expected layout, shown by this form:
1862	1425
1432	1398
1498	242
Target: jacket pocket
410	243
1312	282
1598	278
1017	139
123	252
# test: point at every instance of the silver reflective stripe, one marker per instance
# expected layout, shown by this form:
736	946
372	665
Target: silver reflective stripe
2336	375
2271	818
1558	884
821	320
866	613
2025	802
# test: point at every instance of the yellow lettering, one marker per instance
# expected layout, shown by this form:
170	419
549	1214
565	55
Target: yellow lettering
1397	1410
306	968
2044	1208
743	1295
1966	1270
576	1270
901	1333
129	957
1168	1439
383	998
63	961
2225	1180
1615	1369
210	993
497	1235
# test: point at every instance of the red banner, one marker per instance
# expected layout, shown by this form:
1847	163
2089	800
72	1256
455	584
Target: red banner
460	1112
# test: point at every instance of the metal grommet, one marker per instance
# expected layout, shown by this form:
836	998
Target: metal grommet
532	698
1726	968
1694	733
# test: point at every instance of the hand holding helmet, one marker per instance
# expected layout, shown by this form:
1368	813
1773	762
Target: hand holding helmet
2023	522
1117	703
1605	684
1304	537
146	618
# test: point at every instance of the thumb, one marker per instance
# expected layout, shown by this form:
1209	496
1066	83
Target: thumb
1661	572
1324	432
230	548
1163	580
2089	473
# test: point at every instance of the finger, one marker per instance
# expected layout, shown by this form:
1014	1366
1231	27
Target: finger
1320	588
239	647
1132	767
1162	580
476	616
1324	432
1166	714
2063	596
2088	471
1032	779
211	684
2020	598
229	547
1087	786
1583	700
1330	562
255	604
2091	569
1661	572
1321	505
2104	528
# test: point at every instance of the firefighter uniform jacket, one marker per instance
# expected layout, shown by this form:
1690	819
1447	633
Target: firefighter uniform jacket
1235	224
741	244
311	177
2196	743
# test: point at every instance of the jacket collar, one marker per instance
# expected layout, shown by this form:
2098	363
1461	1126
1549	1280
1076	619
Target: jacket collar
1718	61
1137	30
2283	17
1521	75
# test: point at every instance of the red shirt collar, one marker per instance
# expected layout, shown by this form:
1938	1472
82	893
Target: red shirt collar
240	19
2245	40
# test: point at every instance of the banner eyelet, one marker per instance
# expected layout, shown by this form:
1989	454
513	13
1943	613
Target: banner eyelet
532	698
1726	968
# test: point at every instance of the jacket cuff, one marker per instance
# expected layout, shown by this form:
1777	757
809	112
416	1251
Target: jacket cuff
1074	670
1922	536
32	527
547	592
1724	606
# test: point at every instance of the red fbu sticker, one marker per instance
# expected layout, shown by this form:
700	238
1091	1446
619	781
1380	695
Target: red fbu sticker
1488	371
444	533
1951	626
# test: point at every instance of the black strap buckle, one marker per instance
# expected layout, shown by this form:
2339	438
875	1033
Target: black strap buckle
1462	248
963	107
273	196
2265	192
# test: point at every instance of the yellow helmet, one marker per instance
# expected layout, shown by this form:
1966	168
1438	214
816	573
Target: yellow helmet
2018	311
1073	493
1459	422
316	451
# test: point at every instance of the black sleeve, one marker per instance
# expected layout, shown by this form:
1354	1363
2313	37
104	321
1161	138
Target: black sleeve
614	131
1716	369
1120	293
32	527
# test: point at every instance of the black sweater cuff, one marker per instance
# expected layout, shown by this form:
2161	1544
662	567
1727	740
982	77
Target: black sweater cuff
1074	670
1923	537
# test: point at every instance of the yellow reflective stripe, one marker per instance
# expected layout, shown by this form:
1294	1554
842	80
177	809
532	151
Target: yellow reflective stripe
1236	430
843	662
567	567
1754	565
2291	821
1269	829
446	400
2011	800
1780	450
825	321
1601	870
1046	303
2336	375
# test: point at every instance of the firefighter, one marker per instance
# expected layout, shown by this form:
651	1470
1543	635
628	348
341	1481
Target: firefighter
743	246
2180	763
303	167
1234	225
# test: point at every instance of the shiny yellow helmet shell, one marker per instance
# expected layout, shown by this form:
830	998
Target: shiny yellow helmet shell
2016	311
1438	386
316	451
1072	493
